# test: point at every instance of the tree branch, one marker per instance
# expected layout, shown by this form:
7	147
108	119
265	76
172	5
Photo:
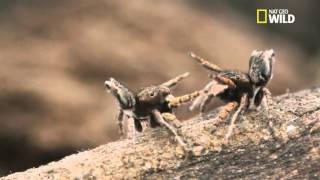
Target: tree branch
285	145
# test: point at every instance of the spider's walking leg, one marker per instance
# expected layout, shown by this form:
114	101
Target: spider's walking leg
173	130
130	129
205	102
205	63
197	102
225	111
267	100
214	88
137	125
133	126
174	81
263	97
120	117
201	97
244	100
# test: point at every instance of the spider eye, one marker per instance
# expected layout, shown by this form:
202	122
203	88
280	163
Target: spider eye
152	94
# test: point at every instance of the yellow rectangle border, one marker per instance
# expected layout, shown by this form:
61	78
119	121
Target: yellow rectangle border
265	21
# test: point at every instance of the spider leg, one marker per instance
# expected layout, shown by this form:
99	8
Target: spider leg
226	110
205	102
153	122
174	102
120	117
172	82
258	96
263	97
225	80
197	102
206	64
267	100
267	95
172	129
243	103
256	99
215	89
133	126
169	117
137	125
130	129
211	90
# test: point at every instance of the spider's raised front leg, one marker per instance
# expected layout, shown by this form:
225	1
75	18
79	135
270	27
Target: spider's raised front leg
172	82
206	64
225	81
174	102
243	104
158	117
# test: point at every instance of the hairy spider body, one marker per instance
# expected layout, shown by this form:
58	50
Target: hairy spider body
238	89
242	85
153	104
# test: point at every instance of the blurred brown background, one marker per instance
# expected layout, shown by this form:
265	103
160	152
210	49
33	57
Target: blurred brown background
56	55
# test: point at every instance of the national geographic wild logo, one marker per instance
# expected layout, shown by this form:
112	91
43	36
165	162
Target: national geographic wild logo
275	16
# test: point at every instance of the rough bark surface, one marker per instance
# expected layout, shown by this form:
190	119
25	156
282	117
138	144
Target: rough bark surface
284	145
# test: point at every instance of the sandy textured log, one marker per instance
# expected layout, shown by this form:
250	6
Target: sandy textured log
285	145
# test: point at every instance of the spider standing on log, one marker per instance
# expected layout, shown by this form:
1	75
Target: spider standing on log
239	90
153	104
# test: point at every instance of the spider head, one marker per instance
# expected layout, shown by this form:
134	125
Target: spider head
124	97
153	95
261	67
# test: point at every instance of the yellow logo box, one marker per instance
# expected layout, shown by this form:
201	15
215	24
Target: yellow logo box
262	17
